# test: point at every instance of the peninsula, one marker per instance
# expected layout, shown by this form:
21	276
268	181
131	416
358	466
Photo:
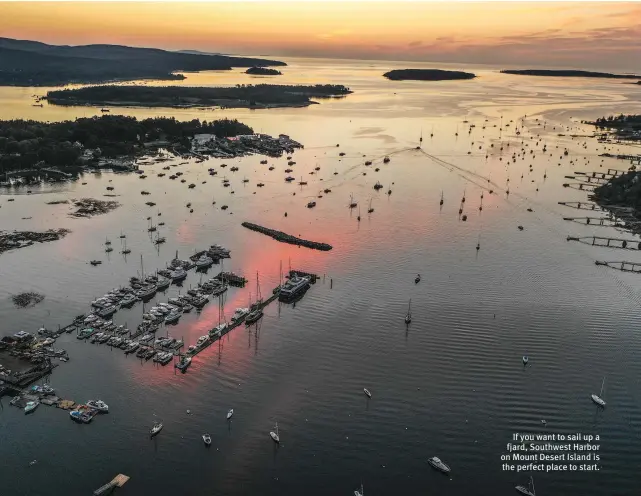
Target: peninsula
263	71
247	96
427	75
568	73
30	63
59	148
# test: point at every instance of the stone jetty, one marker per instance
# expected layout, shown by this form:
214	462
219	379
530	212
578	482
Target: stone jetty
287	238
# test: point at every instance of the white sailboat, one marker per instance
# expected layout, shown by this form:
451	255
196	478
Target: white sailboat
230	413
408	316
527	491
598	399
275	435
361	492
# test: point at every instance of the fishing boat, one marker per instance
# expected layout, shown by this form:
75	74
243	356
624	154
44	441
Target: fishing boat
99	405
359	493
527	491
438	464
367	393
274	435
207	439
417	279
598	399
157	427
31	406
204	261
408	315
230	413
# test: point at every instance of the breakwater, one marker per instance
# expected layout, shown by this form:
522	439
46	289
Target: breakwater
287	238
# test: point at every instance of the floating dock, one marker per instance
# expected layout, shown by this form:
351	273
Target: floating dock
118	481
624	244
595	221
622	266
581	186
231	278
583	205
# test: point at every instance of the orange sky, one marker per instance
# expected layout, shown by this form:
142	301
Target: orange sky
593	34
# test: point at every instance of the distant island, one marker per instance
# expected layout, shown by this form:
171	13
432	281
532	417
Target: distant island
30	63
427	75
568	73
263	71
248	96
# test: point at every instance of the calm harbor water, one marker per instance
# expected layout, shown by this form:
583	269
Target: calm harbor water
451	385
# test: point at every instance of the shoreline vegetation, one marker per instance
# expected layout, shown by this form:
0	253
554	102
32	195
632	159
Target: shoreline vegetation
621	195
239	96
622	127
14	240
31	63
62	149
263	71
427	75
287	238
568	73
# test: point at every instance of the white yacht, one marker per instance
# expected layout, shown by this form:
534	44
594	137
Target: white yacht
207	439
294	286
201	341
204	261
366	391
438	464
157	427
99	405
239	314
527	491
598	399
275	435
178	275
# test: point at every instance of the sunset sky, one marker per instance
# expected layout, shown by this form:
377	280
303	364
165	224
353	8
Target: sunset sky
574	34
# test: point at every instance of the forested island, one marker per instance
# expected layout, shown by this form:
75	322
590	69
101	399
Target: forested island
248	96
30	63
427	75
33	145
263	71
568	73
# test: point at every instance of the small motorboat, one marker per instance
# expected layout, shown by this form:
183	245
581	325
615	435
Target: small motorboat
155	429
207	439
417	279
439	465
230	413
30	406
274	435
359	493
366	391
525	359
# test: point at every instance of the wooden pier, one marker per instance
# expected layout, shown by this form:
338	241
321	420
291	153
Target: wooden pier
595	221
622	266
118	481
624	244
582	205
581	186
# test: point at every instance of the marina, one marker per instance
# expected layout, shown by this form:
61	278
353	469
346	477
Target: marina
481	321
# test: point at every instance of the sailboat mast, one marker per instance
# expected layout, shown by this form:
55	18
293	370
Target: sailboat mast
142	268
602	384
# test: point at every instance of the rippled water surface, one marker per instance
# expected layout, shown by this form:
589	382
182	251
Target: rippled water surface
452	384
